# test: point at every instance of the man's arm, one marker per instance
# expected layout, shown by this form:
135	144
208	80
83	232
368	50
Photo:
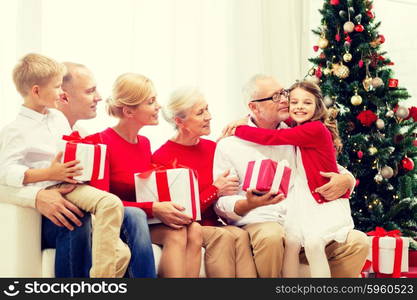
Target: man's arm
225	205
338	184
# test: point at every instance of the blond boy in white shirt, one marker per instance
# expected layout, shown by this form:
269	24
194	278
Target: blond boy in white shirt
27	147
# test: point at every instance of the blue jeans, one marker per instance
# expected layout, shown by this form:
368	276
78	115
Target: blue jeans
73	248
135	233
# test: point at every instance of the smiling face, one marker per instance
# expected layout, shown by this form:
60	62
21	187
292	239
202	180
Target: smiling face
81	94
302	105
197	119
270	110
146	113
49	93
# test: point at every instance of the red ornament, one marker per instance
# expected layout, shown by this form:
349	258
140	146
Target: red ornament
360	63
415	143
348	39
318	72
357	182
381	38
370	14
367	117
337	37
393	83
412	113
322	55
334	2
407	163
316	48
359	28
360	154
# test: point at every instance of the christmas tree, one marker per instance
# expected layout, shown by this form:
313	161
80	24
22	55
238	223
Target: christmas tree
377	130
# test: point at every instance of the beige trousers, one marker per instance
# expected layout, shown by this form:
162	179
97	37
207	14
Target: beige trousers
110	256
228	253
267	239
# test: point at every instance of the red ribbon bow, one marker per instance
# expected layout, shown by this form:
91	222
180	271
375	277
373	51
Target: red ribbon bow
75	137
71	148
381	232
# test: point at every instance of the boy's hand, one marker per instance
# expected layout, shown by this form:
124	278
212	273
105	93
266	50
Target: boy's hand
53	206
64	171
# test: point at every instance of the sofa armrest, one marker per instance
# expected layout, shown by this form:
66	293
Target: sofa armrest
20	240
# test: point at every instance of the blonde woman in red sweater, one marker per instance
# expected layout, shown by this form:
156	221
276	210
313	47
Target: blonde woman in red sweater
311	220
228	252
134	104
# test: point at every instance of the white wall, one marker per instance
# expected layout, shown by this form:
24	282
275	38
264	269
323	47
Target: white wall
214	44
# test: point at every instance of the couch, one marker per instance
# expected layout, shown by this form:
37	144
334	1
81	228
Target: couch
20	240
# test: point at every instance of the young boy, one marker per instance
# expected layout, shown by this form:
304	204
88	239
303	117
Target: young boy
29	144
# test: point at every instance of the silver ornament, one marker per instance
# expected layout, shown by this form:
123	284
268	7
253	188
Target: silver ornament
402	112
328	101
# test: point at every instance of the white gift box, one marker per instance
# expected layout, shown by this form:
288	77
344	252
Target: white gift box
387	254
177	185
92	158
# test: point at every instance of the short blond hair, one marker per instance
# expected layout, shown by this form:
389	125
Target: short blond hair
180	100
129	89
35	69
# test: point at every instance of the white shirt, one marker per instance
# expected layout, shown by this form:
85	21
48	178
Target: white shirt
234	154
30	141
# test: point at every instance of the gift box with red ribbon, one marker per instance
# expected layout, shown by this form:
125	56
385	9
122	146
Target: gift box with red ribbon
90	153
389	252
266	175
178	185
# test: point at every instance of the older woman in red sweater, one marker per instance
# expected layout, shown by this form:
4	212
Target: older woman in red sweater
228	252
134	104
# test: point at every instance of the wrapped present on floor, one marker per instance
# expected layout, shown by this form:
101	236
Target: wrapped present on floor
178	185
264	175
90	153
389	252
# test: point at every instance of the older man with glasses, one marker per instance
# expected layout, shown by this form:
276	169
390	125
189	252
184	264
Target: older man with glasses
263	216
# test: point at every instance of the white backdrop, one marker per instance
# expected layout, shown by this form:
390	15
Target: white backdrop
214	44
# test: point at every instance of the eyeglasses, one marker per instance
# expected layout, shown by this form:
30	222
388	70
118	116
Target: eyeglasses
275	97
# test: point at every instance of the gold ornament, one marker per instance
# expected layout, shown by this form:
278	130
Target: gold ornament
323	42
327	71
380	124
372	150
377	82
387	172
389	114
341	71
314	79
378	178
356	99
347	57
367	83
348	26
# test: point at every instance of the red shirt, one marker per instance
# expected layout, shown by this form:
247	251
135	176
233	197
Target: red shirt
315	143
198	157
123	159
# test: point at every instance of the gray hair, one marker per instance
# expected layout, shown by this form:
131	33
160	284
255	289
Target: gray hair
179	102
250	89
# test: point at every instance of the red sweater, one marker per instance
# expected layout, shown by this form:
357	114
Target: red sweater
199	158
315	143
123	159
